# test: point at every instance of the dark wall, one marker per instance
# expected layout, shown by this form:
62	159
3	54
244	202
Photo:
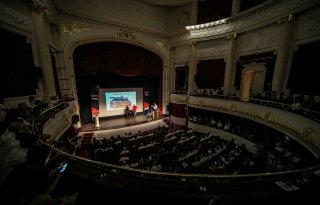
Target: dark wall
18	75
210	74
248	4
181	81
213	10
305	66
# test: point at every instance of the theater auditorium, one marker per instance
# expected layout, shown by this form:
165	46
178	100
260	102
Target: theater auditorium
160	102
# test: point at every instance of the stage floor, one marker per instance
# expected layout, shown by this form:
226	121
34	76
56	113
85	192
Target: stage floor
106	124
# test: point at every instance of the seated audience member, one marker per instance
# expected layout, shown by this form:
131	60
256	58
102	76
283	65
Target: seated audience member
8	137
204	93
31	182
24	114
296	105
16	155
54	100
31	101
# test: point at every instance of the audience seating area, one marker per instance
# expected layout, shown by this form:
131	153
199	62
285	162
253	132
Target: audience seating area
302	104
177	149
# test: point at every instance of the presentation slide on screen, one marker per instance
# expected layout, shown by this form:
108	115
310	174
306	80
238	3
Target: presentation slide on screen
120	100
113	101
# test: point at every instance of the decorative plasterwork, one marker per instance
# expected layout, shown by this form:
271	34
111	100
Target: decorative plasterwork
216	48
12	17
71	28
40	6
182	53
126	33
262	39
269	12
56	127
308	25
178	99
304	131
163	44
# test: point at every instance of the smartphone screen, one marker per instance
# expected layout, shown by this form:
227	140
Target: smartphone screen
63	168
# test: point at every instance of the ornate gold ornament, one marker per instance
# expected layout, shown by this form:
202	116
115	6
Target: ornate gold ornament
267	116
232	36
162	44
126	33
73	28
308	133
39	6
232	107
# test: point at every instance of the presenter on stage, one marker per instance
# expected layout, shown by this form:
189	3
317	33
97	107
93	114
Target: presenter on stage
155	111
134	109
127	111
95	114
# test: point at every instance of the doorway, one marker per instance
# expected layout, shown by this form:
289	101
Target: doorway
252	82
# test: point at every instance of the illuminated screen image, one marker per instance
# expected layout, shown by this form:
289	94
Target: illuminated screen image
119	100
113	101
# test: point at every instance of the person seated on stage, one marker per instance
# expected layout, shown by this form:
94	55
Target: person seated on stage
149	115
134	109
155	106
126	111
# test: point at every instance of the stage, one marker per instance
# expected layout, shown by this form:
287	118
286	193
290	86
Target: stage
122	125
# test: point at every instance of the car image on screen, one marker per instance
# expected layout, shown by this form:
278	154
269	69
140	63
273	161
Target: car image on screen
119	102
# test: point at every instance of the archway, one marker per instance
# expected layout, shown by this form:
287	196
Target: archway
115	65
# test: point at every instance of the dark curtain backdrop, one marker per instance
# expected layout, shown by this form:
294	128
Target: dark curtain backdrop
115	65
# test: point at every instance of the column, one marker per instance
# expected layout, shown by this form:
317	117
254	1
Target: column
165	85
39	9
172	70
281	64
230	65
235	7
192	66
194	12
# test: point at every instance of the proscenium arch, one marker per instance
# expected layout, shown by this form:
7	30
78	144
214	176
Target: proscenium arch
95	62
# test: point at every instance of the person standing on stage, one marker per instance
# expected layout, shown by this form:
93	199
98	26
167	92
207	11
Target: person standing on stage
155	106
155	111
134	109
126	111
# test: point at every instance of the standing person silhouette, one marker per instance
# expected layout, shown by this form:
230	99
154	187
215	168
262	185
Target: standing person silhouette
126	111
134	109
155	112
